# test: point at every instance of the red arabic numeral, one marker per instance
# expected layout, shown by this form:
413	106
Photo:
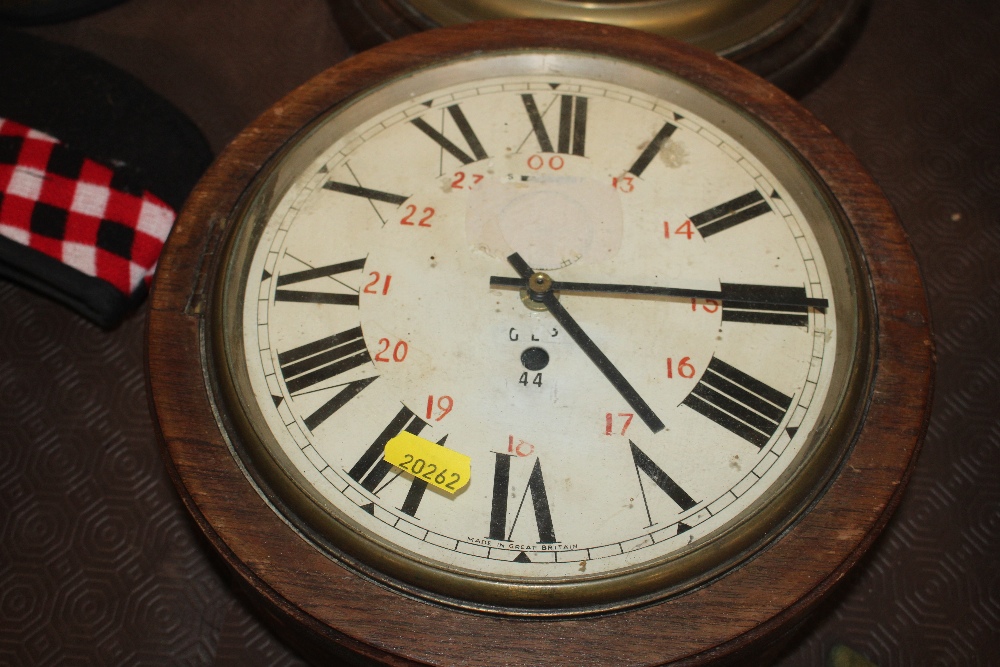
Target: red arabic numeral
426	214
685	368
458	181
609	421
536	162
444	405
684	229
375	278
709	306
522	448
623	184
399	350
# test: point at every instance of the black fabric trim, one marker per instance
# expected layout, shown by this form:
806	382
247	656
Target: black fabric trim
39	12
102	111
122	181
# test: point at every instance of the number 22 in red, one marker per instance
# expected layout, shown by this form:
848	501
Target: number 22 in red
426	215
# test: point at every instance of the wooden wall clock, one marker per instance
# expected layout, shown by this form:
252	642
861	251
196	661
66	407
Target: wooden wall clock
532	341
794	43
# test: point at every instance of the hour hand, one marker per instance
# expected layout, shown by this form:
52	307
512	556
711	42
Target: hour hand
539	287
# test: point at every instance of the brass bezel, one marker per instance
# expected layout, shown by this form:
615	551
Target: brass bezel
727	27
334	533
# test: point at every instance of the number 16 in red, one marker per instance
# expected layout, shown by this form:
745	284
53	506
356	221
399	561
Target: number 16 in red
684	368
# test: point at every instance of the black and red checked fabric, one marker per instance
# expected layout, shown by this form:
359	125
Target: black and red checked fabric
56	201
82	197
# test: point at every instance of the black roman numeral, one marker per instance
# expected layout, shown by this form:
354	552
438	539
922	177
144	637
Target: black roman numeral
371	471
367	193
652	149
300	296
764	304
731	213
312	363
734	400
416	493
325	411
539	502
463	126
661	479
572	135
372	468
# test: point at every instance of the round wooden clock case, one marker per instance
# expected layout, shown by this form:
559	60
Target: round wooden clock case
333	602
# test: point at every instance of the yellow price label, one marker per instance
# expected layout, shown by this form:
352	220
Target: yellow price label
437	465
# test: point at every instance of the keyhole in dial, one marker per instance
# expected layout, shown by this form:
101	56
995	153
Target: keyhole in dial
535	358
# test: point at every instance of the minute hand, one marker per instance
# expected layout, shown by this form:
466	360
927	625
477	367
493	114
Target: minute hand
589	348
730	293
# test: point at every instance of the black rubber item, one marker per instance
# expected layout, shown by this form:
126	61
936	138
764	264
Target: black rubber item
36	12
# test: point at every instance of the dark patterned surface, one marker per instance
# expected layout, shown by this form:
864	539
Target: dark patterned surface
98	564
917	101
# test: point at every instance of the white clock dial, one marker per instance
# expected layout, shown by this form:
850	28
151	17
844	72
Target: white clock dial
678	371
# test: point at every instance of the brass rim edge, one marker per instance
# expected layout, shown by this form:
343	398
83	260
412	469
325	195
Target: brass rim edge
723	26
